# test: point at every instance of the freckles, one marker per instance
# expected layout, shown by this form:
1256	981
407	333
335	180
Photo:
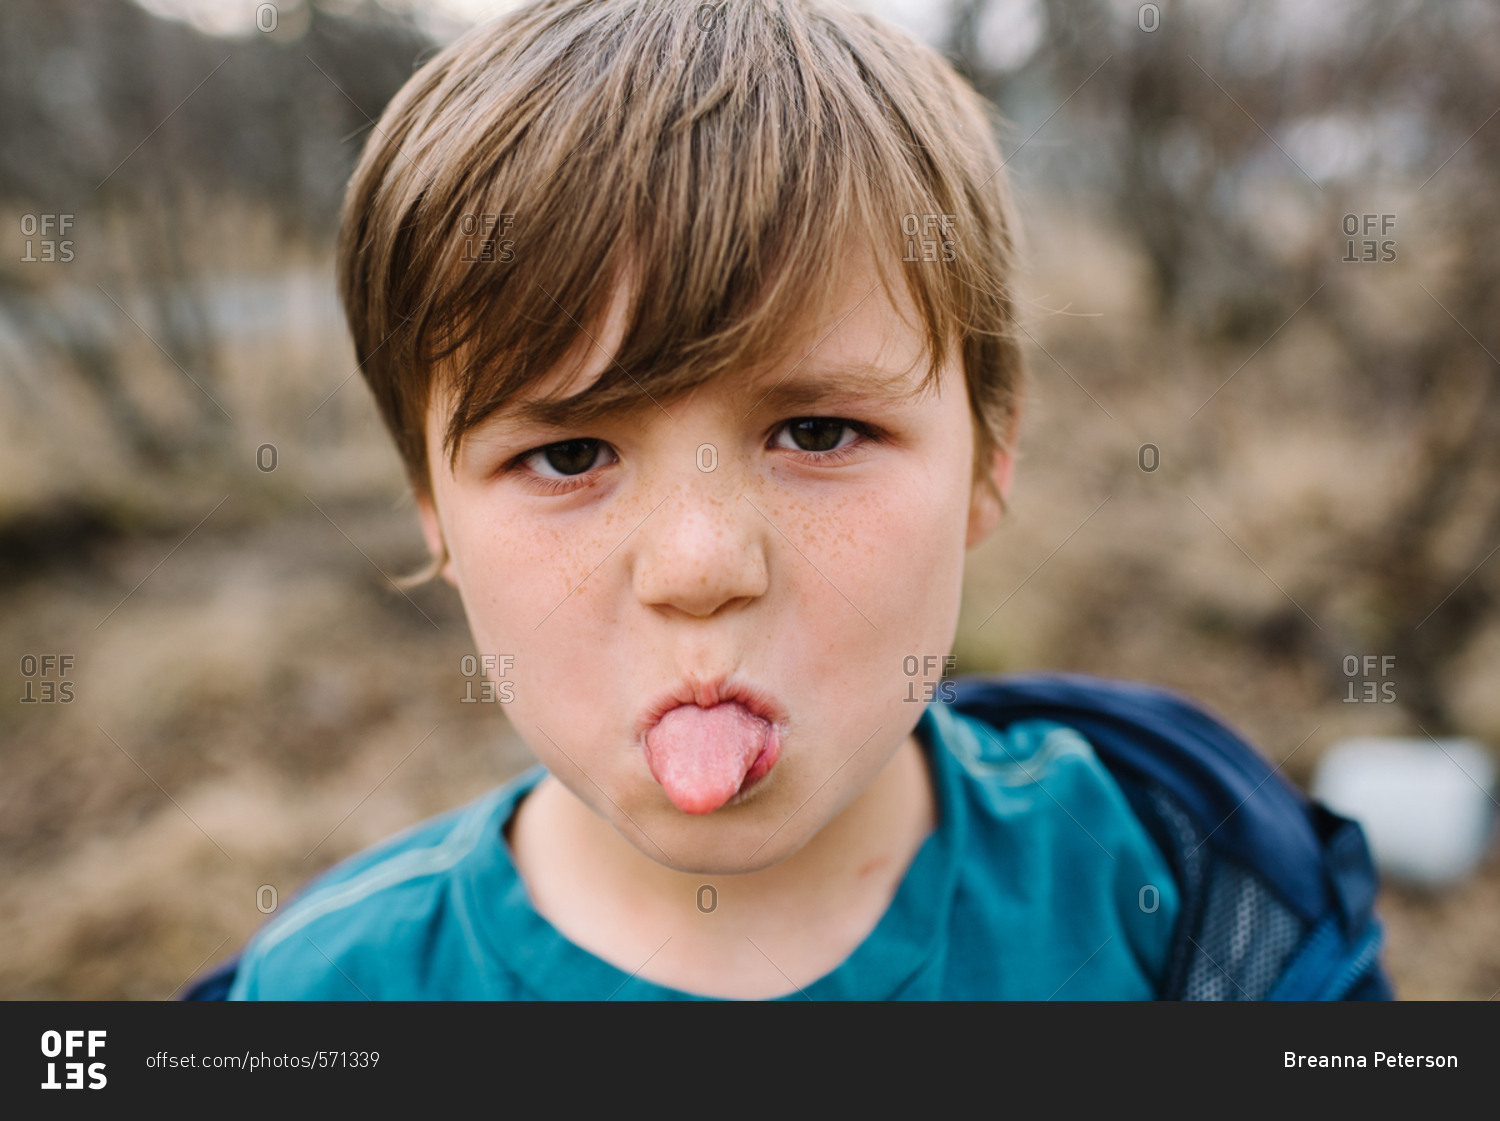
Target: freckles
852	534
841	547
894	557
570	559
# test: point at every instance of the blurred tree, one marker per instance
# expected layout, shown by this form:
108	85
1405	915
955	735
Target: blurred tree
154	137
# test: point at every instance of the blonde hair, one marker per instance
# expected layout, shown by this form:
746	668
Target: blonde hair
724	157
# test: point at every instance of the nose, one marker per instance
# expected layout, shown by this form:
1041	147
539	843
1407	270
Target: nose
703	551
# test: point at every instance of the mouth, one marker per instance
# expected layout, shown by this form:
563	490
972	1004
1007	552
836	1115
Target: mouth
708	744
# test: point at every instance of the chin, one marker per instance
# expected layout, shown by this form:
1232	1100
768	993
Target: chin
717	844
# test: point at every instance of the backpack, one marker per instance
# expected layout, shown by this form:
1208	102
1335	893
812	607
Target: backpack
1277	891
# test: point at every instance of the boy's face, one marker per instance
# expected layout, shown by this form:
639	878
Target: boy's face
637	563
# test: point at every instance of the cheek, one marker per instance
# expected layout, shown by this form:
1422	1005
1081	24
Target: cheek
536	591
880	579
514	571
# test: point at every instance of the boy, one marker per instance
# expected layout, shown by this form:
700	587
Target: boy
694	326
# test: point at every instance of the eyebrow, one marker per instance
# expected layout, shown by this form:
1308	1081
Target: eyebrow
811	386
804	388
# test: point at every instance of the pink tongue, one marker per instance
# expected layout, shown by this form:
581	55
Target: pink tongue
702	755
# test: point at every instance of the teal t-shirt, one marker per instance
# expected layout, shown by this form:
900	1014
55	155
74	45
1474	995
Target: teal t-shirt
1038	883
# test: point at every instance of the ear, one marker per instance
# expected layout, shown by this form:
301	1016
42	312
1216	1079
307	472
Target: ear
432	533
988	496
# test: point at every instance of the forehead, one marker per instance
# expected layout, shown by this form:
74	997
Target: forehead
863	343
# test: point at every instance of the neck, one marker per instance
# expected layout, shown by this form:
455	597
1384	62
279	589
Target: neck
766	932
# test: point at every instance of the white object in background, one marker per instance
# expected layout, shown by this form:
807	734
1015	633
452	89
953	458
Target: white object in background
1426	805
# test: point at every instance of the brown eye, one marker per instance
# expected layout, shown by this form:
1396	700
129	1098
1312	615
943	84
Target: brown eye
561	460
817	433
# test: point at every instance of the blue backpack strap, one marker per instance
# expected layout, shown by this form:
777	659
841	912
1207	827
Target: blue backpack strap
1286	887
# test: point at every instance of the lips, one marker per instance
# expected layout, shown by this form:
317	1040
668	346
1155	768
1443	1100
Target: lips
708	743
